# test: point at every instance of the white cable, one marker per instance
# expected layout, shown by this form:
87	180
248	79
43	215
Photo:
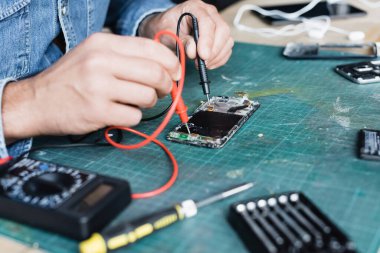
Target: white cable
371	4
288	16
320	24
316	27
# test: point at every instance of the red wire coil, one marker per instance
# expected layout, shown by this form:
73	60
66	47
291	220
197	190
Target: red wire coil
160	128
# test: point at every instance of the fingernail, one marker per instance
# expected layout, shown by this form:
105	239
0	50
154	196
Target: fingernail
171	87
191	50
178	75
187	45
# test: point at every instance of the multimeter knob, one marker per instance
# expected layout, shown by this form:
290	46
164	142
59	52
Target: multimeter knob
48	184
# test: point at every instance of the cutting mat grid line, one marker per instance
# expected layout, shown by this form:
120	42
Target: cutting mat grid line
302	138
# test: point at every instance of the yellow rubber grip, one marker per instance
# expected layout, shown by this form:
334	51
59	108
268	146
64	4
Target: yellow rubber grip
94	244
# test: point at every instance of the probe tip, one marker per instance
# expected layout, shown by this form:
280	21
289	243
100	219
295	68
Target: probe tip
208	98
187	127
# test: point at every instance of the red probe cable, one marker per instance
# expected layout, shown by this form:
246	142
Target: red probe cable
5	160
178	106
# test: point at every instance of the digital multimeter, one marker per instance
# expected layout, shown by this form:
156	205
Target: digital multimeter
68	201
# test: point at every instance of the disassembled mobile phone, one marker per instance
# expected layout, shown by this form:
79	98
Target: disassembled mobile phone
369	144
215	122
332	50
61	199
361	73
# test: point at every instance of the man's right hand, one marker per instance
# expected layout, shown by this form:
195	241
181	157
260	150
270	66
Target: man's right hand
104	81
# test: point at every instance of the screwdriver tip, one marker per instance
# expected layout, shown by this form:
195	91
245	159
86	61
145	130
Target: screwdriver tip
248	185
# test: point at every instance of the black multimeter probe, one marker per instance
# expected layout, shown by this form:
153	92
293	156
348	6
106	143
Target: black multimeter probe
201	63
204	81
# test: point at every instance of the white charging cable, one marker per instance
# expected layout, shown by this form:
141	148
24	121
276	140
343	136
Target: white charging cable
371	4
316	27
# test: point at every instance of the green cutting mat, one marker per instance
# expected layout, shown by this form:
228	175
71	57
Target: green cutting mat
302	138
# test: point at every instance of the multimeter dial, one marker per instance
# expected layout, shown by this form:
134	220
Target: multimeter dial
42	184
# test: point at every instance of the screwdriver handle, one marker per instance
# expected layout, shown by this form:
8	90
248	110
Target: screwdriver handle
128	233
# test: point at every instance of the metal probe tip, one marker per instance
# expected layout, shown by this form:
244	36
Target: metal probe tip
225	194
187	127
208	98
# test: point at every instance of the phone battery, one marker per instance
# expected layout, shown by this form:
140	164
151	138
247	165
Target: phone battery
214	122
369	141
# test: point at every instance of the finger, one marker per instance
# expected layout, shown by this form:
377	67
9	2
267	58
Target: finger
221	60
222	31
143	71
122	115
221	55
130	93
206	32
190	47
139	47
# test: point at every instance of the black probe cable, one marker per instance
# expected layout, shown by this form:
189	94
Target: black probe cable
75	144
80	138
201	64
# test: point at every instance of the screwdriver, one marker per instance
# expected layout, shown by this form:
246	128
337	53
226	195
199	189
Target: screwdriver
128	233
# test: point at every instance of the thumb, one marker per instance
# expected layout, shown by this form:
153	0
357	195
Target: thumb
190	47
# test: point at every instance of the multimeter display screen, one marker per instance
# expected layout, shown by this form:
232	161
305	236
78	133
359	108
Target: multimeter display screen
93	197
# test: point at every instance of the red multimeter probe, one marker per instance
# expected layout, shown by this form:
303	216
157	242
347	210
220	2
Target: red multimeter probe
178	106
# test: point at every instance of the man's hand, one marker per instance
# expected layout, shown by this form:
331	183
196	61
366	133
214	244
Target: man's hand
102	82
215	42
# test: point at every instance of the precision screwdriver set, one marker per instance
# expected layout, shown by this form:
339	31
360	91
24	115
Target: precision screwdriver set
287	222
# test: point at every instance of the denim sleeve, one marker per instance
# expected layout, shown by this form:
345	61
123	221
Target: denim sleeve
124	16
18	148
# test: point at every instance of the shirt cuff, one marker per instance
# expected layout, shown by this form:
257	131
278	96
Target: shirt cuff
17	148
20	148
136	12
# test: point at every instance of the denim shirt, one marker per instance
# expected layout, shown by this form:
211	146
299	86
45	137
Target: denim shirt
28	28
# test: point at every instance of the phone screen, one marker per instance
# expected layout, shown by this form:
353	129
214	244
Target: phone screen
335	11
212	124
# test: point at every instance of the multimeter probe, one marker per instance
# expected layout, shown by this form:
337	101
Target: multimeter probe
204	81
178	106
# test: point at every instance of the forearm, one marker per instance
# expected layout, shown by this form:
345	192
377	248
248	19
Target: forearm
18	112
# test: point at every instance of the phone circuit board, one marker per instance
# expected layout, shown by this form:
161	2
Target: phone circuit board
214	122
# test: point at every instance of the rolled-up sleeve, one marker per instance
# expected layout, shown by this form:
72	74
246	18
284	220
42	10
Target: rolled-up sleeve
124	17
17	148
